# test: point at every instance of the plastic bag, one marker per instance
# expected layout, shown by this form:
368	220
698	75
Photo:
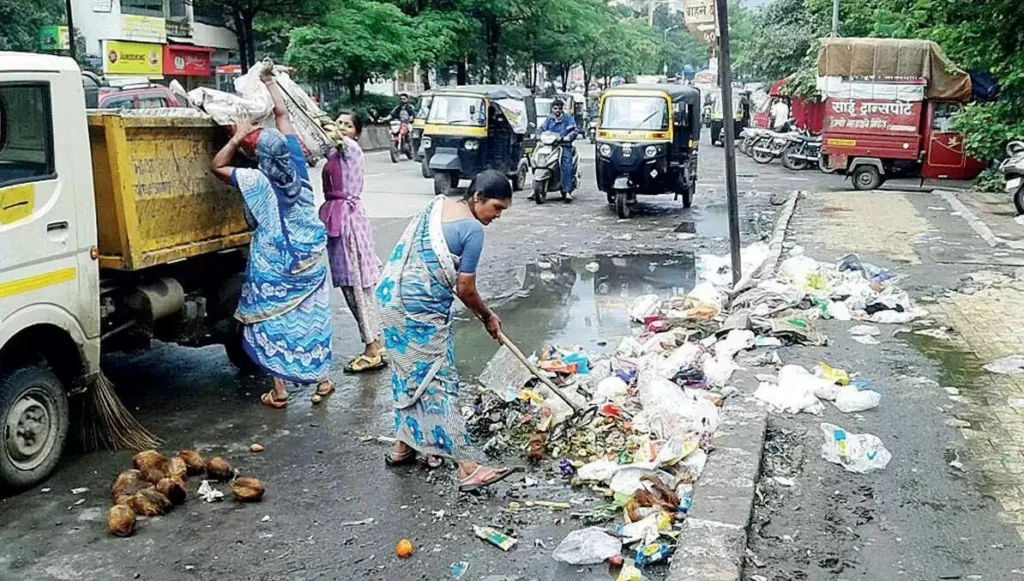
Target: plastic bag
736	341
644	307
1011	365
598	471
839	311
609	389
865	331
683	357
797	376
669	412
798	270
832	374
850	399
706	293
788	398
898	318
718	370
860	453
588	546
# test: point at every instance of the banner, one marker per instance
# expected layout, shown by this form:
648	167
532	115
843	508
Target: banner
132	59
143	28
53	38
864	116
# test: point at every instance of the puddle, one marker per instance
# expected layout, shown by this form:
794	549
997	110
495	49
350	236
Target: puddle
713	222
569	305
959	368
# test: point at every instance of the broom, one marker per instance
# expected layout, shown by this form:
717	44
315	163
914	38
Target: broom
107	424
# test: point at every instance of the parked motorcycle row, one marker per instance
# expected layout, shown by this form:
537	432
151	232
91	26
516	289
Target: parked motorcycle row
798	149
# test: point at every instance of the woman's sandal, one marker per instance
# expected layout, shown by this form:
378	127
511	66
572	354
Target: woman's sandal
392	461
320	393
363	364
474	482
270	400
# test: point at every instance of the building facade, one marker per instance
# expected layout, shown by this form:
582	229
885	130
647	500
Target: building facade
152	40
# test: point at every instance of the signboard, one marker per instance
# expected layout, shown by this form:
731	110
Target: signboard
54	38
700	19
872	116
102	5
132	59
143	28
179	28
187	61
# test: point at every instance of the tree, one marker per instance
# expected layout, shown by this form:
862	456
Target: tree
357	41
243	16
23	20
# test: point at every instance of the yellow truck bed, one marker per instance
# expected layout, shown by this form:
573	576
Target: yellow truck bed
156	200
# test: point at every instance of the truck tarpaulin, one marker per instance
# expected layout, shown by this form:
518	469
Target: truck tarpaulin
894	60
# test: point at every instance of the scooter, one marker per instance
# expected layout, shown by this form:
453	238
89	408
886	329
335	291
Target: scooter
803	150
1013	173
547	166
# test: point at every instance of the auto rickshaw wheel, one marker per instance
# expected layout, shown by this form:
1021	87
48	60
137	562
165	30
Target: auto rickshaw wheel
866	177
540	191
425	169
1018	200
519	180
611	198
444	182
622	207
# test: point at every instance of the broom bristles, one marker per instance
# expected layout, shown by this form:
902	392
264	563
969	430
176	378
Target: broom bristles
107	424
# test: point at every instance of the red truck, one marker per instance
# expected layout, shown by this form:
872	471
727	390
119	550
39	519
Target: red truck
889	109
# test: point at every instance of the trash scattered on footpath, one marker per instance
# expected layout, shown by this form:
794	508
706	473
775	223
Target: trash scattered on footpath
859	453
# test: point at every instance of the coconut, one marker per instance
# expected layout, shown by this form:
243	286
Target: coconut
126	485
219	469
151	460
121	521
193	461
152	475
149	502
247	489
177	469
173	489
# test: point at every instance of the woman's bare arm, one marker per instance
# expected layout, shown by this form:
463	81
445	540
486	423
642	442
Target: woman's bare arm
465	289
221	164
284	123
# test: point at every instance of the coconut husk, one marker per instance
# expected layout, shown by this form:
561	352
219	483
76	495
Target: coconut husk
177	469
247	489
193	461
121	521
126	485
219	469
173	489
153	476
151	460
149	502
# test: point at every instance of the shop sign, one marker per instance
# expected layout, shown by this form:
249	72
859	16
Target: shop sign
132	59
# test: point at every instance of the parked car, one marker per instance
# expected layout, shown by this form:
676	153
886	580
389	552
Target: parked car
140	96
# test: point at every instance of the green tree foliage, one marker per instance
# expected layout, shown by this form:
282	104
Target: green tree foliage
23	20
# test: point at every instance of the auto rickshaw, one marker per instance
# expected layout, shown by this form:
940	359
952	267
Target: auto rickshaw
740	115
647	141
472	128
418	123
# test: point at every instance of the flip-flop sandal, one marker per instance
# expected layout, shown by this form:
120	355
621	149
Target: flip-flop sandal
432	462
363	364
270	400
466	484
319	395
405	460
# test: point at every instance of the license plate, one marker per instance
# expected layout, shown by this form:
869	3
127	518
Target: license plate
1013	184
621	183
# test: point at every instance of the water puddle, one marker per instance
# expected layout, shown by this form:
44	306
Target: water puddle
567	304
713	222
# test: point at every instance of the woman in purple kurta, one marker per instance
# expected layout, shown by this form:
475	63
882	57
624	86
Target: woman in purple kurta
354	264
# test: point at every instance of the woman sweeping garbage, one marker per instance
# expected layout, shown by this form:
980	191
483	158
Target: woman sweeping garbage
350	239
435	261
285	305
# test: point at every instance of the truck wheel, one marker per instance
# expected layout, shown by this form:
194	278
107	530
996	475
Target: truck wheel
34	416
1018	200
237	355
866	177
540	191
519	180
622	205
443	183
425	169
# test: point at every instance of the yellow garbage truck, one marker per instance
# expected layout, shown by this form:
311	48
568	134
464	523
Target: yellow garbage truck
113	234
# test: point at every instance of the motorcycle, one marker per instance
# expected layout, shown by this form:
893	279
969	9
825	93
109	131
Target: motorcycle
1013	172
400	141
547	166
803	150
769	147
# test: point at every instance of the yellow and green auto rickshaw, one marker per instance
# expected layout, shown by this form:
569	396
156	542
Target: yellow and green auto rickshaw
471	128
647	139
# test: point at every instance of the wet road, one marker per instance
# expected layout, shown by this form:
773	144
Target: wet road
319	472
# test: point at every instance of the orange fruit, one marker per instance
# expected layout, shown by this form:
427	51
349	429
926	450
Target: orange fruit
404	548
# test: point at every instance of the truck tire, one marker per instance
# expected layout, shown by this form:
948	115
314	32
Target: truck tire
866	177
34	417
237	355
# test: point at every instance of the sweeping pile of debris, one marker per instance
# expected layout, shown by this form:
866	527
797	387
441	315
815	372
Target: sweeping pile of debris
636	425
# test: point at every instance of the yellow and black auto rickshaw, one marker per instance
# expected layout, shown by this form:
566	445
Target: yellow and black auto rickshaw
740	115
418	123
647	140
471	128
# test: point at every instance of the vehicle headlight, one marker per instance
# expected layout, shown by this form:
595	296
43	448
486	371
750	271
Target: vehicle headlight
650	151
472	145
426	143
605	150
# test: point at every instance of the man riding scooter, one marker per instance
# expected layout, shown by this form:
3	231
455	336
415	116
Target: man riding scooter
563	125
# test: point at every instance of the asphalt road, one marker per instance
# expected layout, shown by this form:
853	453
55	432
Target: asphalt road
320	475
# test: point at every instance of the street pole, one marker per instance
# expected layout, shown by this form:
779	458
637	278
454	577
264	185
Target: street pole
725	75
835	19
71	30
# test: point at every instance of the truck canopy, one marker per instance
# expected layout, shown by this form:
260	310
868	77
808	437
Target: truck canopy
889	60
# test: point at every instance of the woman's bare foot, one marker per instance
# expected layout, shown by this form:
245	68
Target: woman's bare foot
473	476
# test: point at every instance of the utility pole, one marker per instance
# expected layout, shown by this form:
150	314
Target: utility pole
71	31
835	19
725	76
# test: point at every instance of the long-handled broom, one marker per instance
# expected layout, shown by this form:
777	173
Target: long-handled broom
107	424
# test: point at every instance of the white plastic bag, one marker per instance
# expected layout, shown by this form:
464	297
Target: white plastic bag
706	292
860	453
588	546
898	318
643	307
798	377
850	399
668	411
797	270
718	370
737	340
788	398
839	311
597	471
609	389
687	355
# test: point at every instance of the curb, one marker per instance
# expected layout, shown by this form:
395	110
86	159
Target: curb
713	541
980	227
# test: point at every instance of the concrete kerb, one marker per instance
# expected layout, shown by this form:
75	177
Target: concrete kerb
977	224
713	540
